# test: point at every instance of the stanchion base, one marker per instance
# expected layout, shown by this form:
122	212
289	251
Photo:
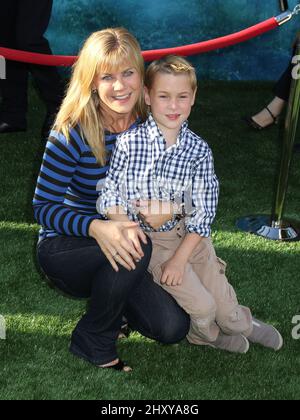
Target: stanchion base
262	225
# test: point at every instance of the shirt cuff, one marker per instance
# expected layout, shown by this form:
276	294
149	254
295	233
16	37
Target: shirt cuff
104	205
85	230
202	231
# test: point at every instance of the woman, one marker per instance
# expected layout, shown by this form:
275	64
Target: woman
82	254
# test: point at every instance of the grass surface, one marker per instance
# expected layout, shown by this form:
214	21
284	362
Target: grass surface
35	362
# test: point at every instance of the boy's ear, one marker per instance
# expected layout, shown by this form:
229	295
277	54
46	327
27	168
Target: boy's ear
194	97
147	96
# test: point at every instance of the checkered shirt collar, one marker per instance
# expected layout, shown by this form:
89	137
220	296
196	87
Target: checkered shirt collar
154	133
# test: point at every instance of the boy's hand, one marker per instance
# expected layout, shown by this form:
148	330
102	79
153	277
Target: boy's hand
155	212
172	272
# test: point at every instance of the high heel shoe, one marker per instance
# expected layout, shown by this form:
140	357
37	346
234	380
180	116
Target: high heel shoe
252	124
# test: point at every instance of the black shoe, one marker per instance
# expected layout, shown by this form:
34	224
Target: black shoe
9	128
124	332
252	124
297	148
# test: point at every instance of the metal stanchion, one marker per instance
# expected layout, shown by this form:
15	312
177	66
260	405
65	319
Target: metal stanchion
283	4
275	227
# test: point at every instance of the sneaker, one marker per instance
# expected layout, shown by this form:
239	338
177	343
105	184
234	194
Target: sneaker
266	335
231	343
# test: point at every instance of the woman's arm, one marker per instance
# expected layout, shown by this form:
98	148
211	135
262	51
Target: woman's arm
112	201
59	164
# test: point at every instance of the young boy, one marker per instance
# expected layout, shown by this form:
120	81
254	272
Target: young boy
163	160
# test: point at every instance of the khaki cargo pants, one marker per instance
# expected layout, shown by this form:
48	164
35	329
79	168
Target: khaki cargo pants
205	293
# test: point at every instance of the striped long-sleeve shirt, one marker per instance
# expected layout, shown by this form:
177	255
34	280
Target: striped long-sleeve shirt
65	198
142	167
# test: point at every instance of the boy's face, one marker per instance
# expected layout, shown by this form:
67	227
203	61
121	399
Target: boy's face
171	99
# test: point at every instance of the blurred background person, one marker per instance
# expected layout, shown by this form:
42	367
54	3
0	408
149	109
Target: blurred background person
22	26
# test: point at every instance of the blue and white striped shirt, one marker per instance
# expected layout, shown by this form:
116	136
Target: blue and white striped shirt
65	198
142	167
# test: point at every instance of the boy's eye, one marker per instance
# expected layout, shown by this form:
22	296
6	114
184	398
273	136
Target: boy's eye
162	96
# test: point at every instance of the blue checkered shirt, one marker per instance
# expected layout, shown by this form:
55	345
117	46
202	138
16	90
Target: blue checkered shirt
143	168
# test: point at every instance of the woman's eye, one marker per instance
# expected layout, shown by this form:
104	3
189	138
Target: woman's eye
128	73
106	78
162	96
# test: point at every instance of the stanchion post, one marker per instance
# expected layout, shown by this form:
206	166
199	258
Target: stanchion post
283	5
290	130
275	227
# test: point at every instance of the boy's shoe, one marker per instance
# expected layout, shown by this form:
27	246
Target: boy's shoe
266	335
231	343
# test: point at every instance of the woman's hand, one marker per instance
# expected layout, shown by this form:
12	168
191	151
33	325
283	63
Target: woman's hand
172	272
155	212
134	235
118	241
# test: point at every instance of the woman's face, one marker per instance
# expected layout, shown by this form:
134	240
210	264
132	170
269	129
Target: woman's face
119	91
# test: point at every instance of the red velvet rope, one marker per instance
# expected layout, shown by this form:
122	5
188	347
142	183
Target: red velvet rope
186	50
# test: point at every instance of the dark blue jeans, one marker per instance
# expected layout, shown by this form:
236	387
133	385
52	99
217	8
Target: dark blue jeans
78	267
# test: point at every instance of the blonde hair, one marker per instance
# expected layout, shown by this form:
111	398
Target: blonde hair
104	51
171	64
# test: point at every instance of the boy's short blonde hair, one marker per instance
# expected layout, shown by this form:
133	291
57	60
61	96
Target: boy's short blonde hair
171	64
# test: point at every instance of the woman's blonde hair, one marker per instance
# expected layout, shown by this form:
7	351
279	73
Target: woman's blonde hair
103	52
171	64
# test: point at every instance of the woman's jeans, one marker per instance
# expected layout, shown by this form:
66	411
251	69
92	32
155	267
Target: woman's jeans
78	268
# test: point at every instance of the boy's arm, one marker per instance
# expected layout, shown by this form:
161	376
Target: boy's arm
205	192
186	248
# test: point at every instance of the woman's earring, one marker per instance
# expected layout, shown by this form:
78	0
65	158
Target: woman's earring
94	91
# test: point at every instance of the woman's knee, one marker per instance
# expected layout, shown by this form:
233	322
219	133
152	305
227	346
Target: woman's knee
174	329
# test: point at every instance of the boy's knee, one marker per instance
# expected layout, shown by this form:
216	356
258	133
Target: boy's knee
206	310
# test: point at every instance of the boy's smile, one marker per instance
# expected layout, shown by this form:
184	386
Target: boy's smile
173	117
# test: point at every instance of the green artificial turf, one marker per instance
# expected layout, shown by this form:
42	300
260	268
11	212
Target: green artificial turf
35	362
